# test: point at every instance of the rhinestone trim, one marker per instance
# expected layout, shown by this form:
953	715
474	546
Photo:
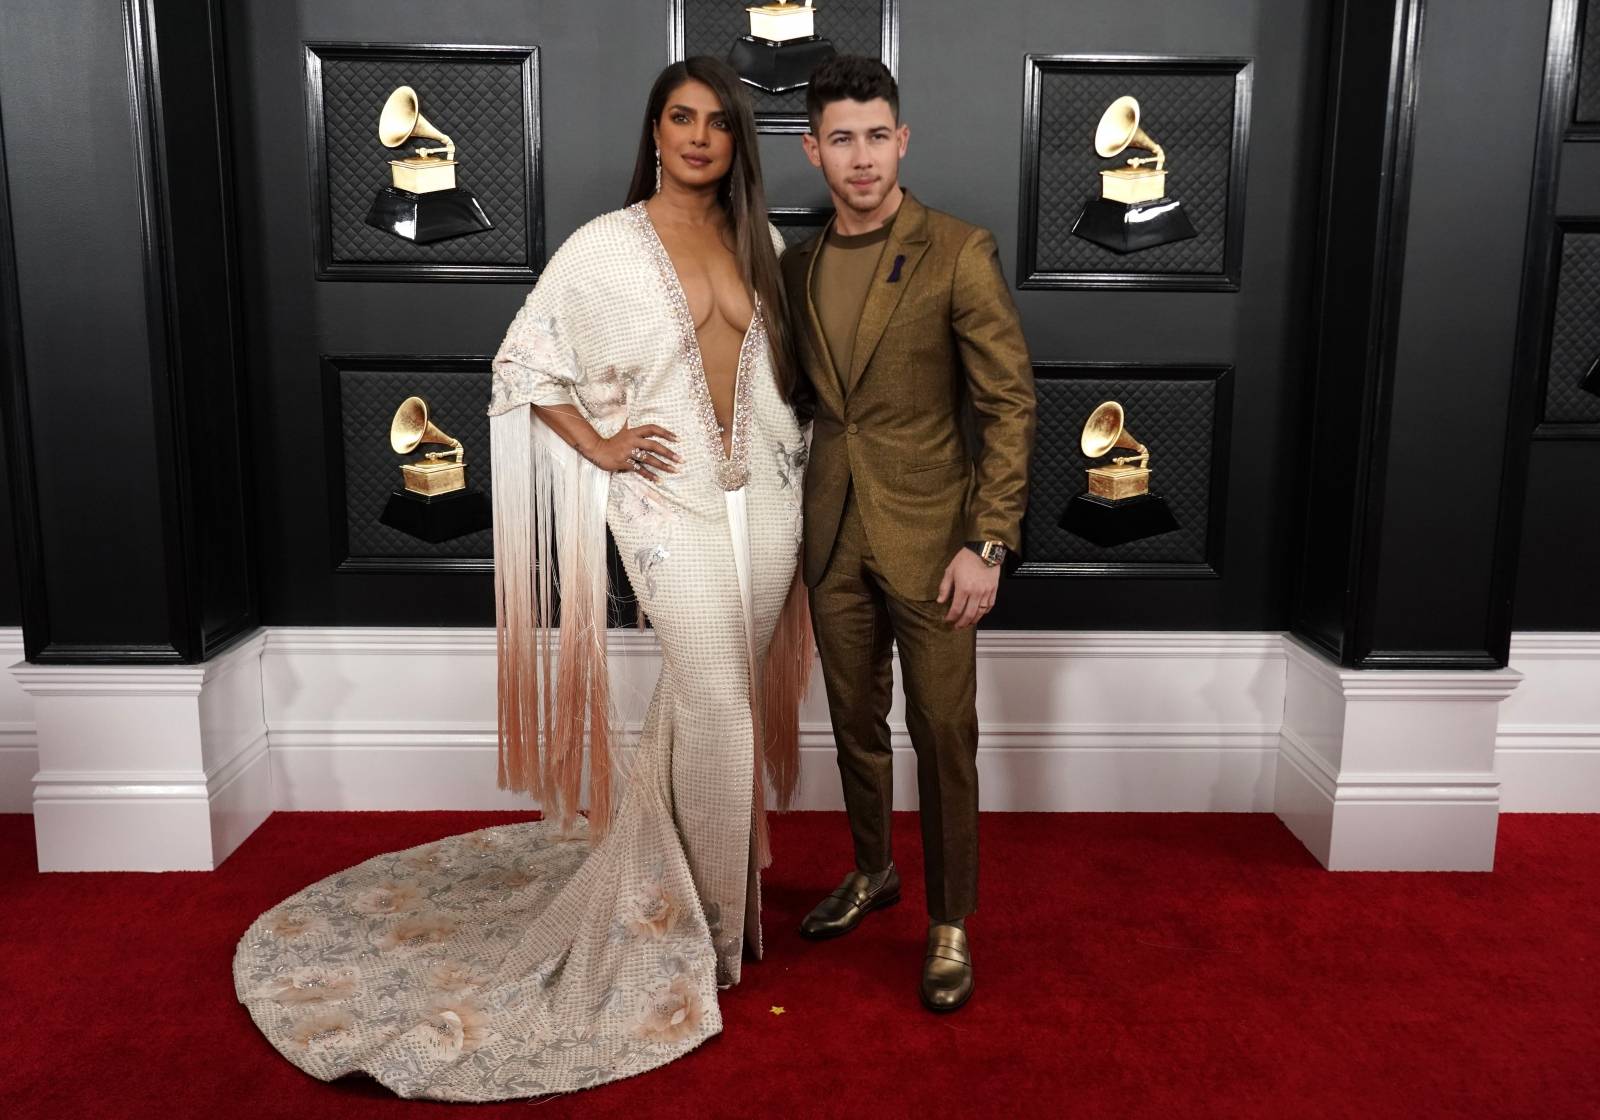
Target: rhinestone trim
732	471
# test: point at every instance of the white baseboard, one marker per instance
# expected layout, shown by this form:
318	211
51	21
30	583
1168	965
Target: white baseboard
148	767
1050	708
1547	751
19	743
398	718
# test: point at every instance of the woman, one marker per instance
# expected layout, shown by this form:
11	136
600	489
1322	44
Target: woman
642	387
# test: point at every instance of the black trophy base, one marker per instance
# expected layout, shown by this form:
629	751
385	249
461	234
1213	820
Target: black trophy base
1591	380
425	218
442	517
1127	227
1108	523
778	67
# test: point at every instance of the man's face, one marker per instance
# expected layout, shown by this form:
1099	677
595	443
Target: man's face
859	148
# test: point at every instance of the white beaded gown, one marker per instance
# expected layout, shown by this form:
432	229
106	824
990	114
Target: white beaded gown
526	959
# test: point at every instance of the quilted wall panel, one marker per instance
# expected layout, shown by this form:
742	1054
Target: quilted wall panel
479	104
797	227
1191	115
1574	331
852	26
1177	418
367	399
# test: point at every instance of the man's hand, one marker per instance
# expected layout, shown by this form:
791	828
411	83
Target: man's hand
970	586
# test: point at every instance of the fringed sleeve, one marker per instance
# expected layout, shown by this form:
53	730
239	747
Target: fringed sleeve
549	575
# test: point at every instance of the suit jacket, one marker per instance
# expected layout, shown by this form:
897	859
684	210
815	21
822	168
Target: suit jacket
938	329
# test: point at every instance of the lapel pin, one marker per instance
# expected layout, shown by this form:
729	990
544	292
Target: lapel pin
894	273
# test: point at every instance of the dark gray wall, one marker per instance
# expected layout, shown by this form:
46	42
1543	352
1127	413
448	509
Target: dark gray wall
961	74
71	164
1456	347
121	375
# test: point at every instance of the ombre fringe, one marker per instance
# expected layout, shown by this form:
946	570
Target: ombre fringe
775	713
549	549
784	680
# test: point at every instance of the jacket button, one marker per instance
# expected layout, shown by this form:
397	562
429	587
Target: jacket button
852	429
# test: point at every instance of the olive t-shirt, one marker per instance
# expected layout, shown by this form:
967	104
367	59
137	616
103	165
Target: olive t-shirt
839	287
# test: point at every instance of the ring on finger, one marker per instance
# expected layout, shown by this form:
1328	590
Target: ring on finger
637	454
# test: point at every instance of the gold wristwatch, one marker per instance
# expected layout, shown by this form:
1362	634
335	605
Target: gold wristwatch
992	553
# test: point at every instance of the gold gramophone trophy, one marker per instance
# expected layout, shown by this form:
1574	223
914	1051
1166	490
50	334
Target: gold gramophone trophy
423	203
438	472
782	48
1134	210
433	503
1118	506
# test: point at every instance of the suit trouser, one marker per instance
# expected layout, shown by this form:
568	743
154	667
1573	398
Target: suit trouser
856	616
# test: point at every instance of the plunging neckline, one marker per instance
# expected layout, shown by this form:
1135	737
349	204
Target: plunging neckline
731	458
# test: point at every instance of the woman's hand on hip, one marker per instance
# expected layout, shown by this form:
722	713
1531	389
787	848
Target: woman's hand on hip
636	449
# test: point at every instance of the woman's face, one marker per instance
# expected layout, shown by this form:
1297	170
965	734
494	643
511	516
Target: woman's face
694	136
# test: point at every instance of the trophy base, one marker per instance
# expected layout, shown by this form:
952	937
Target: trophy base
1116	484
1591	380
1107	523
441	517
778	67
425	218
1127	227
430	478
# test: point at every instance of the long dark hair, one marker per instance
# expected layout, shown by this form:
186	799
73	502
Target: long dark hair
740	193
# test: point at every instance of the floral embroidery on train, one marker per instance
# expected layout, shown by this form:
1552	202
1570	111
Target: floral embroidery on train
651	912
453	1027
312	984
673	1006
416	933
321	1031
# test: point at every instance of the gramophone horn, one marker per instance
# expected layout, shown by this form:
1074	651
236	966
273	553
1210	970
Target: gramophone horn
1119	129
1103	432
401	120
411	427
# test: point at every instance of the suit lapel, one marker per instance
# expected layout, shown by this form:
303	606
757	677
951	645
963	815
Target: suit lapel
834	384
908	241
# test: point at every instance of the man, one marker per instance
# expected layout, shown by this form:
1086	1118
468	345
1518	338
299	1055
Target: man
902	316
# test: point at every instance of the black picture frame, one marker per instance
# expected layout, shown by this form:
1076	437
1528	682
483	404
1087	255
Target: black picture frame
1545	298
1582	74
784	122
1036	69
426	265
333	366
1210	566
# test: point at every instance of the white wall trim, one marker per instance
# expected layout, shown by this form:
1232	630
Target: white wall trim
148	768
1547	749
1051	737
1210	732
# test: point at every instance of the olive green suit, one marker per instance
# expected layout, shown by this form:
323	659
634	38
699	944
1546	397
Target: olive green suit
891	494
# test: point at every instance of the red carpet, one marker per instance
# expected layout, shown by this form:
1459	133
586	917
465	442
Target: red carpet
1128	965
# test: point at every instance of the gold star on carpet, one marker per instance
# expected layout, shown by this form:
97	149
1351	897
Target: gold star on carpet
777	1011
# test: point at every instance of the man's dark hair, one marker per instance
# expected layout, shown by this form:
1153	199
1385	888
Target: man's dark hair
851	76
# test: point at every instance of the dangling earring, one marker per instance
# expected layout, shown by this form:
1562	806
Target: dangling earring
658	170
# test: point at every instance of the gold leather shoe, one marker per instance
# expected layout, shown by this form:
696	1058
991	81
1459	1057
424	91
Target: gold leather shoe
947	969
854	899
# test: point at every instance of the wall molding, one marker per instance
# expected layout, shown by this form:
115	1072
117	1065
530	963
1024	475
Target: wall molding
1210	734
